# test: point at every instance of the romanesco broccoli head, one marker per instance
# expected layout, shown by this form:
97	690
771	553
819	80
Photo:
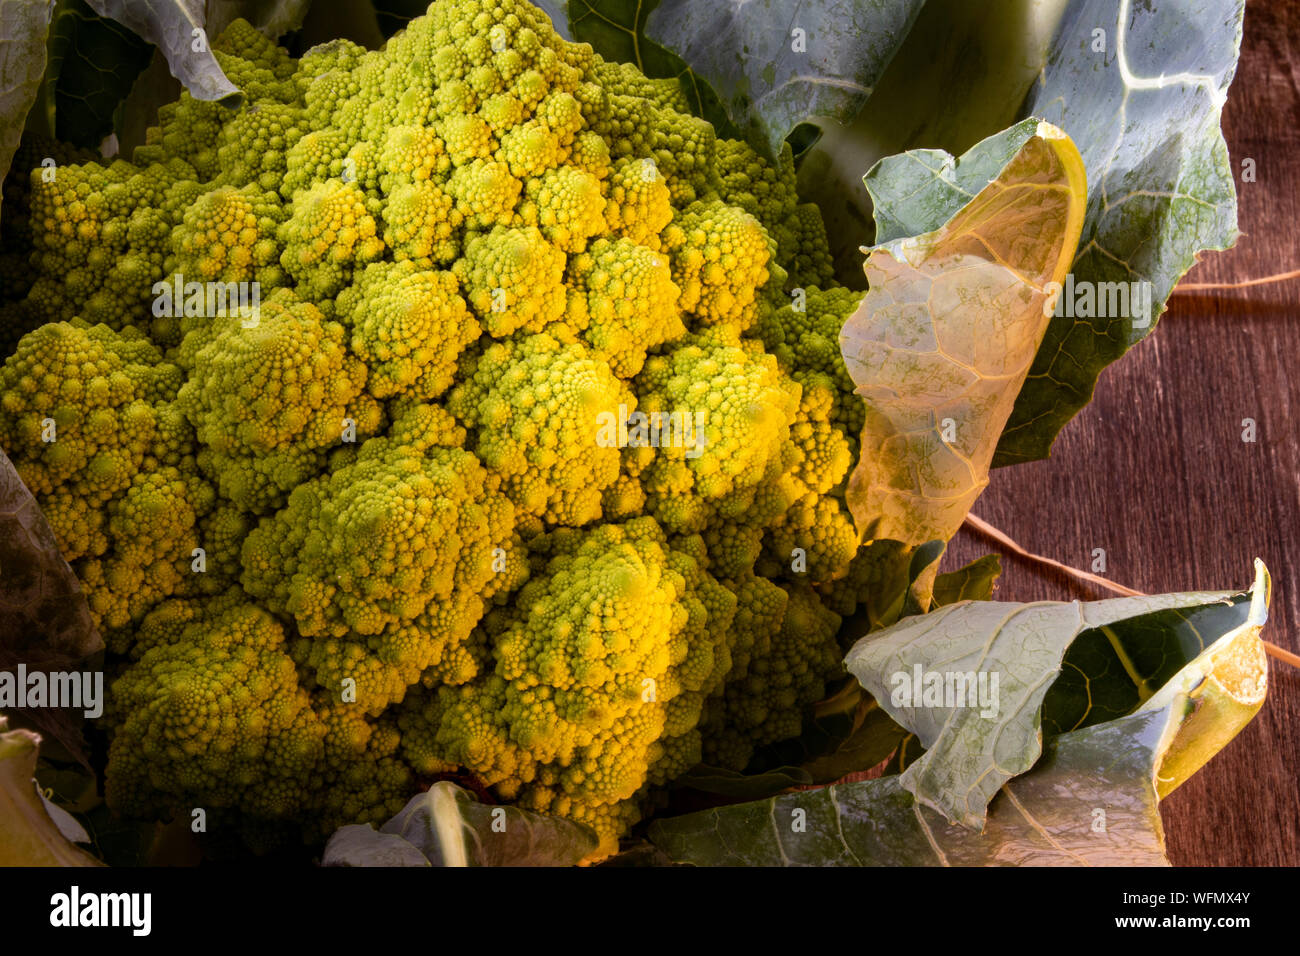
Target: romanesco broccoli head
526	463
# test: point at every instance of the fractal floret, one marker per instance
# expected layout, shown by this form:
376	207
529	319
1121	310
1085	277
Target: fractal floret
528	466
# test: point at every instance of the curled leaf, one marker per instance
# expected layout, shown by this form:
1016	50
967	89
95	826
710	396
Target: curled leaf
1091	798
941	343
977	682
177	28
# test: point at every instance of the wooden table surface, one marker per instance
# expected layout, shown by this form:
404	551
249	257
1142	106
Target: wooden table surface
1155	470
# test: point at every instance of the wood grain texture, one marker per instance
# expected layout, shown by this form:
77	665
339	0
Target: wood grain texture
1155	470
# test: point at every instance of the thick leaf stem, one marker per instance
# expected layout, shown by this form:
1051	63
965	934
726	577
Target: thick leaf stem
1215	286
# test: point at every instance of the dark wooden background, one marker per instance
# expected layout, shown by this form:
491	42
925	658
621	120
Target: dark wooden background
1155	471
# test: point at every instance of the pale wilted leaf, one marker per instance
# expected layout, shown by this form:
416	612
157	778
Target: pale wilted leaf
974	679
941	343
